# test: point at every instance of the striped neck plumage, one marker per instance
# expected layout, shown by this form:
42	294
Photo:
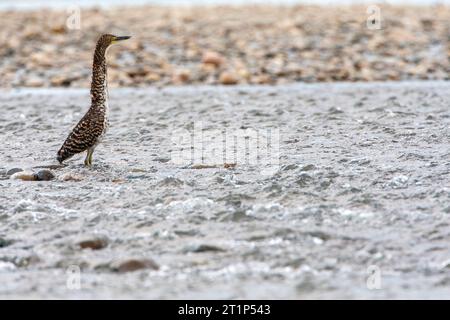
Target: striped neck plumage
99	89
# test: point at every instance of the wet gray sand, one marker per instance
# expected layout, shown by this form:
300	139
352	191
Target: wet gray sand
364	180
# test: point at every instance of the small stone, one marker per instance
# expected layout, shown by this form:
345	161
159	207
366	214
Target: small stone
10	172
289	167
335	110
41	59
304	179
244	73
153	77
170	181
308	167
445	264
137	72
181	76
44	175
94	243
214	58
228	78
207	68
261	79
34	82
5	242
70	177
131	265
235	216
203	166
60	80
399	182
162	159
58	29
24	175
202	248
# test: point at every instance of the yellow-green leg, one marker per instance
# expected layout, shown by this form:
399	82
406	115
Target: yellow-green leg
88	160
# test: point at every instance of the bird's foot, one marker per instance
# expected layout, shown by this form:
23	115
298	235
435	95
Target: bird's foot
88	163
88	160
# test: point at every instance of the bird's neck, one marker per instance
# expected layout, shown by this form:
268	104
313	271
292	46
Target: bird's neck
99	85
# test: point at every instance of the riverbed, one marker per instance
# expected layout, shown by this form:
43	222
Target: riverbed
356	205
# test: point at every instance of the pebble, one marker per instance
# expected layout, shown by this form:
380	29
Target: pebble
399	182
94	243
70	177
5	242
24	175
235	216
303	179
288	167
228	78
308	167
214	58
10	172
202	248
34	82
181	76
44	175
170	181
131	265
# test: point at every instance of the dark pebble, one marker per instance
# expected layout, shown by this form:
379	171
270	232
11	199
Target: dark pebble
44	175
203	248
289	167
5	242
10	172
135	264
94	244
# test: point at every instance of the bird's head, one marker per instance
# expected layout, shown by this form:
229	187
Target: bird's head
108	39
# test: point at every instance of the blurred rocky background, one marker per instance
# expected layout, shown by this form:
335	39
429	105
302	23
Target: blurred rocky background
250	44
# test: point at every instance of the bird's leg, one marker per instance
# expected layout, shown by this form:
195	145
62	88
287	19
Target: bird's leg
88	160
90	156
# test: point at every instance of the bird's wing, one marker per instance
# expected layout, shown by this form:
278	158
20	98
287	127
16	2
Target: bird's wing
83	136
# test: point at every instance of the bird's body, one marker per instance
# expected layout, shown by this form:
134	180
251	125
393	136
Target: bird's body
90	130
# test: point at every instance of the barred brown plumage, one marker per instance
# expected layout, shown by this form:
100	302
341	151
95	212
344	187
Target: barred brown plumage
90	130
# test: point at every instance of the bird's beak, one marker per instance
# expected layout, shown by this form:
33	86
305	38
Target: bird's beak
116	39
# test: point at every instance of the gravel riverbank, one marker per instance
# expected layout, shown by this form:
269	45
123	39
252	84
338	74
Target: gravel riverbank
226	45
363	180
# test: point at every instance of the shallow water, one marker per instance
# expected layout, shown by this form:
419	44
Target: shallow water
363	180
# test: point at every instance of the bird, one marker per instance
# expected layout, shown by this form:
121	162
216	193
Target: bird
90	130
